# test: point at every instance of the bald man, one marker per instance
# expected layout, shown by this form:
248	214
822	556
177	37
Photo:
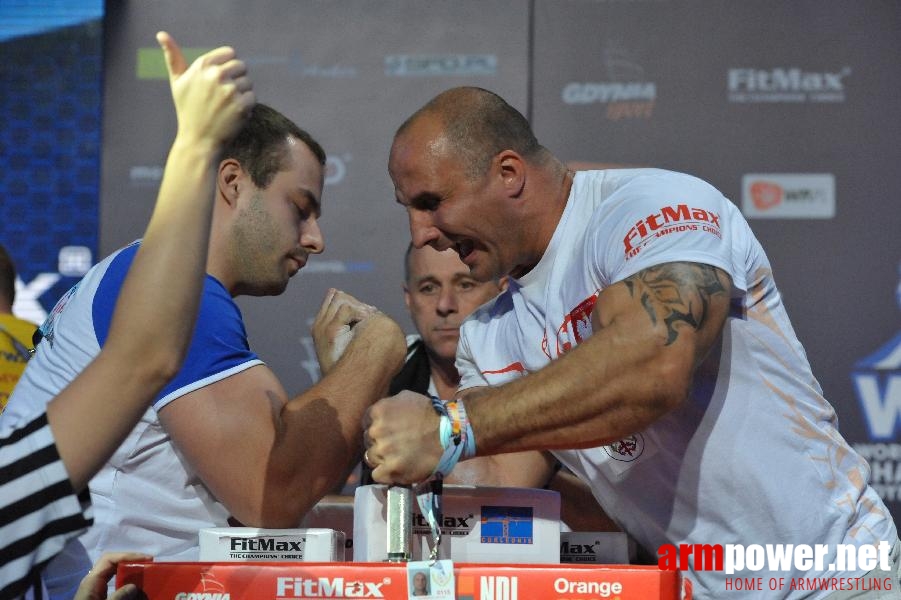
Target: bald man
641	338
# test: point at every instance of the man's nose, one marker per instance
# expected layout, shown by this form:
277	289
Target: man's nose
422	228
447	301
311	238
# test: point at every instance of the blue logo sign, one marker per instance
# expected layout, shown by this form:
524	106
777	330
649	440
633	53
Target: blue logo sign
506	525
877	381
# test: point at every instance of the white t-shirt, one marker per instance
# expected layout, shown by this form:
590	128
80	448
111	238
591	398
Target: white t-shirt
754	455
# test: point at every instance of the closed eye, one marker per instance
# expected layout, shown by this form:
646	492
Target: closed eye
425	201
306	204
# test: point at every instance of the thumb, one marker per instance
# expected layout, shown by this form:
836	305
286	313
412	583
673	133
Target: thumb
175	60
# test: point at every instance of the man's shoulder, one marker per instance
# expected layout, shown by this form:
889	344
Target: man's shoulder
495	308
108	275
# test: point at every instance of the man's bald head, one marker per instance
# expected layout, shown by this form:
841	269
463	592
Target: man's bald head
477	124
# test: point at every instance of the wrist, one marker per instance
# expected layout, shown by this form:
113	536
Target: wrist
455	435
190	147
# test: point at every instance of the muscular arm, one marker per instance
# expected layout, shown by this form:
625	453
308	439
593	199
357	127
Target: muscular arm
530	469
515	469
650	333
269	458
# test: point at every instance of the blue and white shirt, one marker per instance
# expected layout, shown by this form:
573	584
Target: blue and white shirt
147	498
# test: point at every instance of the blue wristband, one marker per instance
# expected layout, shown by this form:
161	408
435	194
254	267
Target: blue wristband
455	434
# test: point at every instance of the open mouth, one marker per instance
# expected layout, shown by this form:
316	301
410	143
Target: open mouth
464	248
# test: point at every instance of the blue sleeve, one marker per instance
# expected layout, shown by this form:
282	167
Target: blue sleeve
219	346
104	302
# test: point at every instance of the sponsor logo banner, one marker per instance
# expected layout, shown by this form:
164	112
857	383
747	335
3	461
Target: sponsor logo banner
437	65
292	581
452	525
624	90
788	195
786	85
877	383
150	64
507	525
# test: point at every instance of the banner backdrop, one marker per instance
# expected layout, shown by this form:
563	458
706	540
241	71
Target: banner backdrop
789	108
50	104
348	72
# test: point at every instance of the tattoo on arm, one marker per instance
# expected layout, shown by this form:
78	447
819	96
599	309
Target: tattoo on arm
677	293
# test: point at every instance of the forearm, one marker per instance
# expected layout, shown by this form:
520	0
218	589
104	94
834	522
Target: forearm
158	302
319	433
610	386
519	469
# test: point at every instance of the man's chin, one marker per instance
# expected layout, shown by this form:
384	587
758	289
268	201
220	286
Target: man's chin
483	273
443	347
275	288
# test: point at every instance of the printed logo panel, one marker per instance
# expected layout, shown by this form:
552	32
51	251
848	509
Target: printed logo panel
627	449
670	220
624	89
786	85
507	525
788	195
877	383
437	65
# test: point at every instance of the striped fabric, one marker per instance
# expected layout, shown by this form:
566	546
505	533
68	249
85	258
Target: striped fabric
39	511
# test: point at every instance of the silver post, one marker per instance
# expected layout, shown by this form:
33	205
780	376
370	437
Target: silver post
400	523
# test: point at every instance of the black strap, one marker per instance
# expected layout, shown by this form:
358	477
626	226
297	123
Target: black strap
415	374
21	349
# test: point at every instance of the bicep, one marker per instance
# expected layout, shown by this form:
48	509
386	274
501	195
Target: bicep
680	306
226	430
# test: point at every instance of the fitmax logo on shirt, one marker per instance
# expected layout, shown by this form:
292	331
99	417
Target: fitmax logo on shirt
670	219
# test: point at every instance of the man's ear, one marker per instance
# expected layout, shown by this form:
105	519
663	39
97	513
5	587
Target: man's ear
510	167
502	283
229	179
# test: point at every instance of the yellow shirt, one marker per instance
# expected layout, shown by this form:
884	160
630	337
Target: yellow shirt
13	356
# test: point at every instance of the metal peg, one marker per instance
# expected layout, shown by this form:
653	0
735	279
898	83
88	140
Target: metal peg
400	523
